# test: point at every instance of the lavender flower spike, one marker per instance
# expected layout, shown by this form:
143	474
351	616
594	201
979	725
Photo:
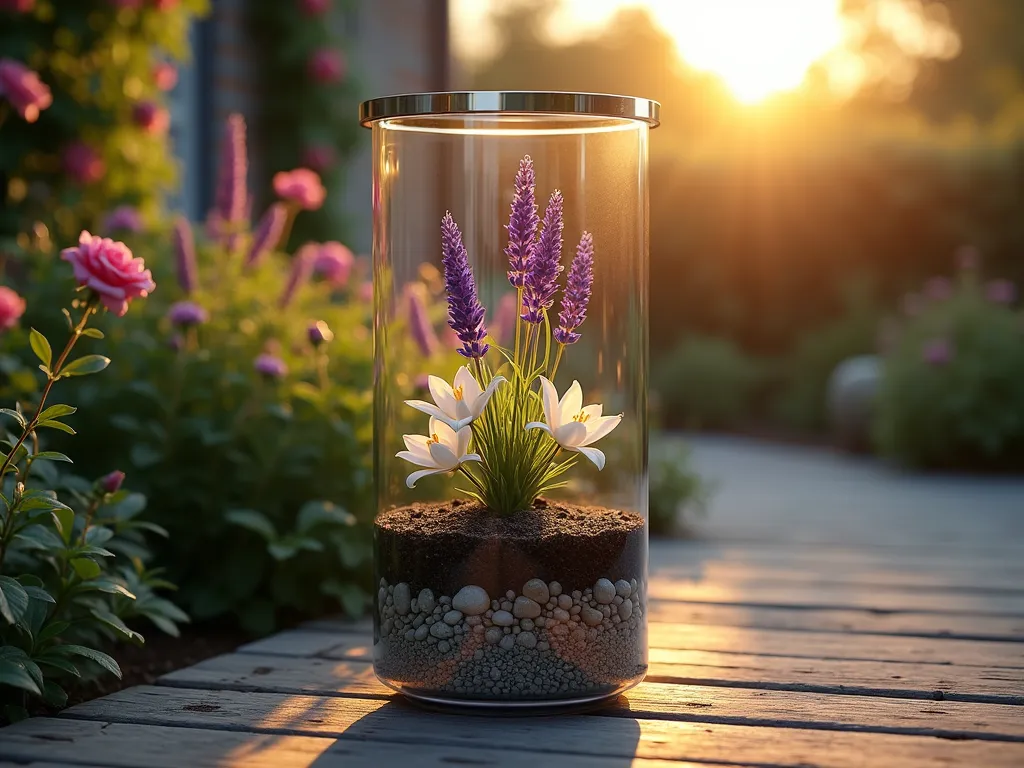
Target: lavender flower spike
465	312
268	234
231	193
577	292
302	269
185	254
542	277
522	224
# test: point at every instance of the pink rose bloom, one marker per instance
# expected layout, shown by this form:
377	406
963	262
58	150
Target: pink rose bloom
109	269
319	157
17	6
151	117
333	262
165	75
366	291
938	289
1001	291
111	482
326	65
314	7
938	352
301	186
83	164
22	87
124	217
12	307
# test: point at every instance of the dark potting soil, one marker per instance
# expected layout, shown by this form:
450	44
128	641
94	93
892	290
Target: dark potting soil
445	546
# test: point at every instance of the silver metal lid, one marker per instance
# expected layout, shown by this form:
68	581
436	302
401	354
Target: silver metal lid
519	102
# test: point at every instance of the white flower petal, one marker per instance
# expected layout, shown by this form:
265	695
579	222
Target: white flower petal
599	428
446	434
415	458
470	389
463	437
570	404
443	456
594	454
481	402
428	408
471	457
415	477
549	397
417	444
538	425
442	393
569	435
593	411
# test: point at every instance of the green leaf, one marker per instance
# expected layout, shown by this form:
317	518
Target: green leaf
314	513
53	456
57	662
41	347
65	520
110	587
52	630
13	599
54	695
85	365
86	568
144	456
126	507
40	501
18	417
116	623
40	594
56	411
99	657
351	597
282	551
38	537
254	521
93	333
56	425
16	675
164	624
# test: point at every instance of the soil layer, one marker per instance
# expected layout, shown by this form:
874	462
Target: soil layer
444	546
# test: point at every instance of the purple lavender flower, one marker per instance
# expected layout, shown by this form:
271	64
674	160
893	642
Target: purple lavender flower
465	312
187	313
334	263
302	268
270	366
230	200
124	217
185	254
522	224
577	292
1001	291
268	234
420	327
938	352
542	277
319	333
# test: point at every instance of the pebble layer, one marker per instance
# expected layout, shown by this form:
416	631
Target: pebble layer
539	644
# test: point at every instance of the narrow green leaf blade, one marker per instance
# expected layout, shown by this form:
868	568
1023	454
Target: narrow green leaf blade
85	365
99	657
56	411
41	347
57	425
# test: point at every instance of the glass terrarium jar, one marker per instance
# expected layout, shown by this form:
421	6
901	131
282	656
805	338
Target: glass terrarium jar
510	411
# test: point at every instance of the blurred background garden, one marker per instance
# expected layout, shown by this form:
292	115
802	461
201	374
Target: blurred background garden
836	243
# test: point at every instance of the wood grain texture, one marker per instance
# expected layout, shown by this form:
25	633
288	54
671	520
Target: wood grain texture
915	681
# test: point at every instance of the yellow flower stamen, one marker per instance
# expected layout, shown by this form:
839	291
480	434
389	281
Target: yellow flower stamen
434	439
457	392
581	417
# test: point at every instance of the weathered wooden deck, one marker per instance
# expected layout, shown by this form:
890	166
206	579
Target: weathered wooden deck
899	650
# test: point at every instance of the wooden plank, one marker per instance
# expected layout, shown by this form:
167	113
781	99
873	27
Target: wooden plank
626	736
140	746
244	672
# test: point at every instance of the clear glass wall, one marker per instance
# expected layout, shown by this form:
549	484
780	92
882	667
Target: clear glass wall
519	606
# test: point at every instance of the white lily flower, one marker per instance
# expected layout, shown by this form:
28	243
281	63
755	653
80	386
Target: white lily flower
444	450
458	405
571	425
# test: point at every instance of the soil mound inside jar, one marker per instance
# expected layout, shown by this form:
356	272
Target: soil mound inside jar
447	545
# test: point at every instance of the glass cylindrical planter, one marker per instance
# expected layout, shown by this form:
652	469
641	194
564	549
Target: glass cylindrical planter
510	409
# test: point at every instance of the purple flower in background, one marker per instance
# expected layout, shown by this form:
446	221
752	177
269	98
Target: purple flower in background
176	343
465	312
302	187
577	292
22	87
111	482
968	258
187	313
1001	291
82	163
503	324
268	233
938	289
270	366
302	268
124	217
542	277
319	333
522	224
420	327
937	352
231	195
185	254
333	262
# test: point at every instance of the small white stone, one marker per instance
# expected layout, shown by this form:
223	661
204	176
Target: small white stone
604	591
425	600
382	596
564	602
526	624
591	617
444	646
623	588
440	630
525	608
537	590
555	588
471	600
560	615
527	639
383	583
493	635
421	632
452	618
508	642
402	598
386	629
410	634
625	610
503	618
